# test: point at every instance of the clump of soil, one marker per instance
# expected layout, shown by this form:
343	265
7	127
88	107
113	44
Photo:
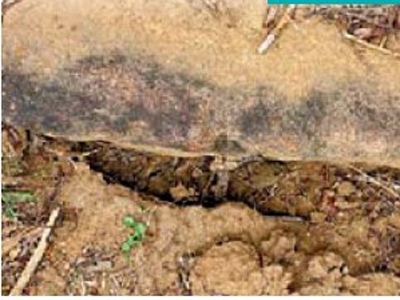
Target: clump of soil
232	268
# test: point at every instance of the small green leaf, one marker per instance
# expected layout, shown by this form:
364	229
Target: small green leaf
129	222
11	198
26	196
10	213
140	230
136	237
132	240
126	247
14	197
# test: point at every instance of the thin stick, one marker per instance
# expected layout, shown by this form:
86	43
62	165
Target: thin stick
284	218
369	45
36	257
378	183
10	243
269	40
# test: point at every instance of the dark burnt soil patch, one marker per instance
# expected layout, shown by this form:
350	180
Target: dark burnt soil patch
131	98
107	94
325	123
35	105
132	91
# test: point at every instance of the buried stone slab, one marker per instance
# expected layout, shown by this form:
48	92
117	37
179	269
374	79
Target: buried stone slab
145	81
136	102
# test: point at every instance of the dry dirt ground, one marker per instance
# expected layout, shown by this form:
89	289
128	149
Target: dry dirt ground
349	245
101	68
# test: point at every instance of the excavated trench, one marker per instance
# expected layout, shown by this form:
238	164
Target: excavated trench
272	187
287	227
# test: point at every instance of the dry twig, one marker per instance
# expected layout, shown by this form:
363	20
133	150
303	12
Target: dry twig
10	243
269	40
36	257
369	45
371	179
363	23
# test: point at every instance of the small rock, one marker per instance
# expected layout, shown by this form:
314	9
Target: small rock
277	281
180	192
100	266
318	217
346	188
13	254
394	221
345	270
345	205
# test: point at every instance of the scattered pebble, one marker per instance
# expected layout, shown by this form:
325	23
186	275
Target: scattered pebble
346	188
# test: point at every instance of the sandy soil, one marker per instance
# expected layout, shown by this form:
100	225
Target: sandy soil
75	69
185	37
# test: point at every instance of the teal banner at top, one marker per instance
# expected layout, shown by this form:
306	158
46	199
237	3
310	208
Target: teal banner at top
334	2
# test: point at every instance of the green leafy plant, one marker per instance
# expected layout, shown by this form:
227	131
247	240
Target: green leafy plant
10	199
138	235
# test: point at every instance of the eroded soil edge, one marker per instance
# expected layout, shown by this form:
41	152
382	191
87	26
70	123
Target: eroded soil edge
346	240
